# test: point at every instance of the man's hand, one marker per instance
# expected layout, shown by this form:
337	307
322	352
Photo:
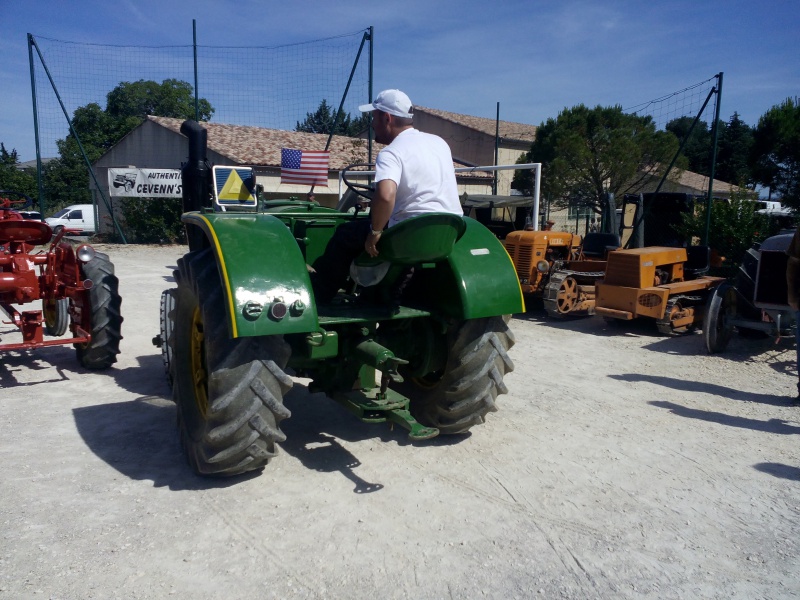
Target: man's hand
371	245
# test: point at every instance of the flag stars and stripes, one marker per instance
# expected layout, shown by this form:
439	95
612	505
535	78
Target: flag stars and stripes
304	167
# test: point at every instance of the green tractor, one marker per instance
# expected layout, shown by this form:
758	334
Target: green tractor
421	342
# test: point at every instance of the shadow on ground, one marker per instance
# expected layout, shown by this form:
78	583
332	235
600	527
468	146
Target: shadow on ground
686	385
778	426
779	470
139	437
595	325
318	426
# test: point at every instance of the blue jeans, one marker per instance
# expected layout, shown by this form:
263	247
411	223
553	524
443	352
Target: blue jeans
333	267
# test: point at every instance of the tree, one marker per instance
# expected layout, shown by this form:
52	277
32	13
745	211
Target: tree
697	147
775	157
12	178
735	225
321	121
128	104
733	152
98	129
586	153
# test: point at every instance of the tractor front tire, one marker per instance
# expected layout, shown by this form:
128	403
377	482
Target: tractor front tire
56	316
106	319
229	391
459	396
166	331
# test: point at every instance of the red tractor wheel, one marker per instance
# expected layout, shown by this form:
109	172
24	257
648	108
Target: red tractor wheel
106	320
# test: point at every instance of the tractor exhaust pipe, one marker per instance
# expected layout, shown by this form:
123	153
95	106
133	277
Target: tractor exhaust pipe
195	173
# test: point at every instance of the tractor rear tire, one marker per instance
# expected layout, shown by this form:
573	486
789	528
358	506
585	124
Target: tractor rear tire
459	396
106	319
717	329
229	391
56	316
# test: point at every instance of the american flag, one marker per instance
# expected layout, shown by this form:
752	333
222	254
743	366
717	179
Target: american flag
306	167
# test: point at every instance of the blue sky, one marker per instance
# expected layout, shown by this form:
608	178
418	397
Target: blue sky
532	57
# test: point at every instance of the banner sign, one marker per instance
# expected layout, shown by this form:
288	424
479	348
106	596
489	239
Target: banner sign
145	183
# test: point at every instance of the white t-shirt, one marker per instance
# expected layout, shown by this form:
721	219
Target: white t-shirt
422	167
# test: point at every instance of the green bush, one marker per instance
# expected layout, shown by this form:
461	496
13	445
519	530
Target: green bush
735	226
152	220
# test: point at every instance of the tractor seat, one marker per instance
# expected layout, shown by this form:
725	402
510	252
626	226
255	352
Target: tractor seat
698	261
34	233
597	245
425	238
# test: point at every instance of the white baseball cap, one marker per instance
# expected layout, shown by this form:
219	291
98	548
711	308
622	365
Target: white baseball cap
393	102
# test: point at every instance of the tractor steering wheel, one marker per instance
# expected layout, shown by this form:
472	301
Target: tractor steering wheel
6	202
364	190
355	191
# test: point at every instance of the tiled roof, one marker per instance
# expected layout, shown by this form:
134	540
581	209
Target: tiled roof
262	147
508	130
259	146
699	183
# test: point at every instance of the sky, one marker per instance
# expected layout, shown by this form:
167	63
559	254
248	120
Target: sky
531	58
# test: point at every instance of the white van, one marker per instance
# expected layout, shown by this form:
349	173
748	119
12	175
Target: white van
77	216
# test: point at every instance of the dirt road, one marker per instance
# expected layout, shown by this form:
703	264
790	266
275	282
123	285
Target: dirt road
621	465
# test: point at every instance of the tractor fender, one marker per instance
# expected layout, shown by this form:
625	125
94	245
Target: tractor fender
484	276
263	273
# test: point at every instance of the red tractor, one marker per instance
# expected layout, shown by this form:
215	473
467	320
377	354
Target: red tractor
77	287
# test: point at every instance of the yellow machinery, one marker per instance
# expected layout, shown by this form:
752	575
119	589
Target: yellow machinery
569	292
663	283
536	254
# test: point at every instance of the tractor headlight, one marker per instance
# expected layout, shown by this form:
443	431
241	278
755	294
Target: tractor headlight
278	309
543	266
85	253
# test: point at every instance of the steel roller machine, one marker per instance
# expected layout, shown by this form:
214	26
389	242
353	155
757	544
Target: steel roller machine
665	284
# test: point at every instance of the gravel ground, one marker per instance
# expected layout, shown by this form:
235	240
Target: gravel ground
621	464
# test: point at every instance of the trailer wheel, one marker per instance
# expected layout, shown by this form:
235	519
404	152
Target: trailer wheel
460	395
56	316
229	391
106	320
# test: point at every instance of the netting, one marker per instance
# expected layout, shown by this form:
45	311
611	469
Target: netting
683	103
263	86
697	100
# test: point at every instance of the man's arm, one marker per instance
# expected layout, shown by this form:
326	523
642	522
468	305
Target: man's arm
381	209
